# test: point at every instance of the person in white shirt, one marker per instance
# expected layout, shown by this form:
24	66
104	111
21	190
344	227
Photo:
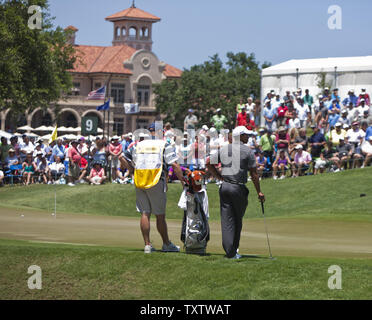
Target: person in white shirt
303	112
294	122
25	147
250	108
367	152
355	135
57	169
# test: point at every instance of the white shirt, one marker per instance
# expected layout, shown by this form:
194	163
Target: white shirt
367	147
294	123
302	111
59	167
250	110
355	136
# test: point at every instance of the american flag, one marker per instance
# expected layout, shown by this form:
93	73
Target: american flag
98	94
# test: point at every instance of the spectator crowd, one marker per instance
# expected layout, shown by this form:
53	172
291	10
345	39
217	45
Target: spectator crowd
290	136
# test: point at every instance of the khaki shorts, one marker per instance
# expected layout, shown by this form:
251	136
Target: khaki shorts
153	200
73	170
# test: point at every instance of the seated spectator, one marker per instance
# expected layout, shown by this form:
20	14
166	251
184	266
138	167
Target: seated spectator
337	134
317	142
1	178
355	135
281	164
11	159
362	107
58	151
42	170
261	162
321	163
364	95
83	170
332	119
97	174
302	160
351	98
57	169
344	117
115	150
282	139
294	121
344	152
367	152
29	168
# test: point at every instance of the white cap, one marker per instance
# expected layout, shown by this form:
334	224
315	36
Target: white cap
345	126
219	109
370	138
115	138
338	124
239	131
362	100
352	91
326	88
212	130
344	111
299	146
142	135
205	127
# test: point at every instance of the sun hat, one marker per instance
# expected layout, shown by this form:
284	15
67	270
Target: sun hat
239	131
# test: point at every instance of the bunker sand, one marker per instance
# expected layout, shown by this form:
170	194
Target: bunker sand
288	237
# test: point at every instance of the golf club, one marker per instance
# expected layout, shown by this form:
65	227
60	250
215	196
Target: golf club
267	234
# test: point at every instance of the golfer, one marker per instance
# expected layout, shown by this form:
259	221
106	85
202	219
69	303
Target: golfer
236	160
148	159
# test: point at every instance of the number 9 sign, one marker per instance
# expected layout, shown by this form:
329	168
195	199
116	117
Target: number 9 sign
89	126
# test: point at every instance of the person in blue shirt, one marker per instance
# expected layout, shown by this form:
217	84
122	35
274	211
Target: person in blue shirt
368	133
58	151
350	98
332	119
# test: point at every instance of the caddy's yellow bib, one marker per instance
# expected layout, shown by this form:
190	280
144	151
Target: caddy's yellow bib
149	163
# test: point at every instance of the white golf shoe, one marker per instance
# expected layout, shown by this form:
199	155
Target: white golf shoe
149	248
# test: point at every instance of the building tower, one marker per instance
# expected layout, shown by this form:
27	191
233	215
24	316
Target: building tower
133	27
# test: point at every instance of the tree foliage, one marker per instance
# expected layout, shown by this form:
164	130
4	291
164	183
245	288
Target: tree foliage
208	86
33	63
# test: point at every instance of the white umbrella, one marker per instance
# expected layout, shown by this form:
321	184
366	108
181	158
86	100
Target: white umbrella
25	128
46	137
69	137
5	134
99	130
76	129
42	128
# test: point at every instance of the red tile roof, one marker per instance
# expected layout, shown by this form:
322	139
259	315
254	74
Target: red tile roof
172	72
133	13
72	28
96	59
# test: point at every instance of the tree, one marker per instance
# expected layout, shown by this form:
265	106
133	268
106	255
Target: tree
34	63
209	86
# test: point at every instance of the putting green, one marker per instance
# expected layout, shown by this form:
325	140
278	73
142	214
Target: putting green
314	237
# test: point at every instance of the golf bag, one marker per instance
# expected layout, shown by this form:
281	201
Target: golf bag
195	227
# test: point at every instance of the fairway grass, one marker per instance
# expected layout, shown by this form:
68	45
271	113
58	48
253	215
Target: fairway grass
85	272
333	195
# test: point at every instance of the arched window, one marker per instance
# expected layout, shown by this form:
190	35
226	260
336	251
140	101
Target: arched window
133	33
123	31
117	32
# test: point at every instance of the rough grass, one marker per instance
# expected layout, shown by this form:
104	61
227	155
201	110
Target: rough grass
77	272
334	195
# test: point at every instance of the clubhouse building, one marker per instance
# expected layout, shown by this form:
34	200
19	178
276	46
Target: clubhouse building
128	67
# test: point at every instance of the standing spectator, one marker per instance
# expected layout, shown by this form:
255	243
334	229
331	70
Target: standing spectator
288	97
240	105
362	107
332	119
302	160
364	95
115	150
250	107
99	152
15	145
4	149
82	148
351	98
29	168
219	120
294	121
309	101
257	113
303	112
25	147
317	142
282	109
74	163
97	174
269	114
266	144
190	121
242	118
281	163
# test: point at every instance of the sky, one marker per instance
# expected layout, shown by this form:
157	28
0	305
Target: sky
191	31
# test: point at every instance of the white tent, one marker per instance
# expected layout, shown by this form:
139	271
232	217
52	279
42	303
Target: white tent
343	73
43	128
25	128
5	134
